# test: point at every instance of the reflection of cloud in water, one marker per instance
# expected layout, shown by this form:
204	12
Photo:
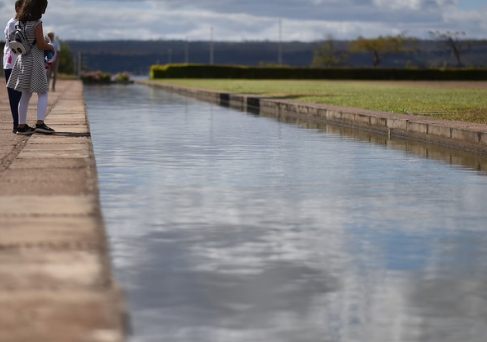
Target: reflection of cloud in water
293	277
281	297
289	235
450	310
214	266
449	298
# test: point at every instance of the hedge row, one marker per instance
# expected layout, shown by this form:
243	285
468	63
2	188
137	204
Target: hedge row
243	72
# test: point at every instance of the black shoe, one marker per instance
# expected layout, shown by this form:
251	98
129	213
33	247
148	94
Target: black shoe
14	131
26	130
42	128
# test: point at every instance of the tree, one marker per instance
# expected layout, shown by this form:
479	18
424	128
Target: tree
383	47
454	43
326	54
66	63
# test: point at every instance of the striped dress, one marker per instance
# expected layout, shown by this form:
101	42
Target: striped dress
29	71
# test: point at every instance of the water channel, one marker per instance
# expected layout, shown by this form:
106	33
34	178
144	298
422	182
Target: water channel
234	227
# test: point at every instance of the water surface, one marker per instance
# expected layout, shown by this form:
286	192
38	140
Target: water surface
227	226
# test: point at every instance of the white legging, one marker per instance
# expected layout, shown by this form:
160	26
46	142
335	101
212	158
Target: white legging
24	105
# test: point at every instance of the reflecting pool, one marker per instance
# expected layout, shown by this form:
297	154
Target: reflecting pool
234	227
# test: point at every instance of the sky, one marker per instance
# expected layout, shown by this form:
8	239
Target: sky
243	20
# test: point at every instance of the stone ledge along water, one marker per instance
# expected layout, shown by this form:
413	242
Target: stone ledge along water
55	272
465	135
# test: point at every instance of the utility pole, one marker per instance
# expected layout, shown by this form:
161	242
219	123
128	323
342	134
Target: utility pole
279	58
186	52
211	47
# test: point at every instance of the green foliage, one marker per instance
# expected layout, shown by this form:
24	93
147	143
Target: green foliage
66	62
271	65
122	77
327	55
215	71
259	73
96	77
456	43
382	47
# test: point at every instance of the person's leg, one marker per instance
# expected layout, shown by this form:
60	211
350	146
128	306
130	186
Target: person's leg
49	74
55	67
14	98
23	128
41	108
41	127
23	106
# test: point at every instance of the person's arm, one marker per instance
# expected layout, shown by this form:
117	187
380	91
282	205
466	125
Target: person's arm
41	43
7	33
8	30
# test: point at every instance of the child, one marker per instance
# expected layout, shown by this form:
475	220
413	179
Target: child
49	57
29	73
53	69
9	59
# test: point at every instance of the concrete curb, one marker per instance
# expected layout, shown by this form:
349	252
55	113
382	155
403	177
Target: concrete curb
55	272
464	135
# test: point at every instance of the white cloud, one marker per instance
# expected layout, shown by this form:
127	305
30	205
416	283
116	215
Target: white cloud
253	20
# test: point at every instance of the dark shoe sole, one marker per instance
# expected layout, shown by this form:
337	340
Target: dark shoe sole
44	131
24	133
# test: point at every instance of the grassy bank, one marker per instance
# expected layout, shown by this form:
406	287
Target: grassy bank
461	101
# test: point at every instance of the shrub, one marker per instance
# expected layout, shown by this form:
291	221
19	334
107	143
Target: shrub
67	63
96	77
244	72
122	77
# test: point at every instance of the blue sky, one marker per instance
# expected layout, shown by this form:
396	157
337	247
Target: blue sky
472	4
237	20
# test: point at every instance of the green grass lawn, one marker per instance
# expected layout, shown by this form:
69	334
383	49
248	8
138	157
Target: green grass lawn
465	101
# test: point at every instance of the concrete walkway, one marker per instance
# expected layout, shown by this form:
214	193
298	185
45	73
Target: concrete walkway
55	272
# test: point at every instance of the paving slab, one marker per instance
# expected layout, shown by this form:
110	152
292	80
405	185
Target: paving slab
39	146
46	189
70	121
60	316
48	206
50	176
48	230
66	109
53	154
47	268
53	163
83	128
74	116
58	139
